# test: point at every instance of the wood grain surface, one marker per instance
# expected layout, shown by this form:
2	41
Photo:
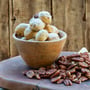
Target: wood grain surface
74	13
72	16
4	29
88	24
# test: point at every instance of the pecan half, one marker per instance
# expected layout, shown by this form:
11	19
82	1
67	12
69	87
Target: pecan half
37	76
41	72
44	76
83	78
73	70
55	79
78	59
68	73
55	74
42	68
72	77
30	74
63	63
78	74
62	58
73	55
88	75
83	64
53	66
62	66
63	75
68	82
60	81
84	55
51	71
84	70
76	81
87	61
71	66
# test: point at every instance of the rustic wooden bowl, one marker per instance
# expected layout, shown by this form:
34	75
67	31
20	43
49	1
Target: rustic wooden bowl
40	53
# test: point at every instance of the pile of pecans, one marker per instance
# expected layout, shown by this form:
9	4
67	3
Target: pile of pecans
67	69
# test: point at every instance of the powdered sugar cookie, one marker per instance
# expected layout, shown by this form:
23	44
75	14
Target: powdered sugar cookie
42	35
45	17
36	24
53	36
29	34
51	29
19	30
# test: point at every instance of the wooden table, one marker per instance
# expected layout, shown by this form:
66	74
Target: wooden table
11	77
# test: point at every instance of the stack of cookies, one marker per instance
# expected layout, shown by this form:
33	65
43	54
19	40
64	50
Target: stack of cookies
38	29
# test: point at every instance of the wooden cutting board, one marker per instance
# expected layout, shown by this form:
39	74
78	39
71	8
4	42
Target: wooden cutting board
11	77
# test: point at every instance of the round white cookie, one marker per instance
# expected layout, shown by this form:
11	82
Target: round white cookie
29	34
19	30
51	29
36	24
45	16
53	36
42	35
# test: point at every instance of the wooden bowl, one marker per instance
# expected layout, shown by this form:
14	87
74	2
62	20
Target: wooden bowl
40	53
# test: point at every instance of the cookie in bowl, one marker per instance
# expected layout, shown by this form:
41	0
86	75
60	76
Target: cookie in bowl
41	42
19	30
45	16
36	24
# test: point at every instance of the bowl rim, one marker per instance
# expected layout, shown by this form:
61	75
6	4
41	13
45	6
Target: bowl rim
64	36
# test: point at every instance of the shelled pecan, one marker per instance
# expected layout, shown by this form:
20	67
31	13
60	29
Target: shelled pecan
55	79
73	55
76	81
83	78
60	81
83	64
30	74
68	82
72	77
78	74
78	59
37	76
62	66
84	70
67	69
71	66
55	74
88	75
51	71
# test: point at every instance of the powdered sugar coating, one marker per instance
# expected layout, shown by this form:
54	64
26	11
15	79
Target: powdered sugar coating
42	35
51	29
45	17
19	30
54	29
44	13
21	26
27	31
53	36
29	34
36	24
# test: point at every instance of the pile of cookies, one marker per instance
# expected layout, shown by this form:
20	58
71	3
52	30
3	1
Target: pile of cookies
38	29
